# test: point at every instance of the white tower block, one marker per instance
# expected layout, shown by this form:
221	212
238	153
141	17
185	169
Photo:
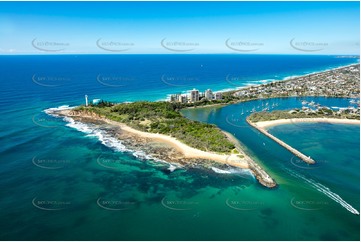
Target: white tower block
86	100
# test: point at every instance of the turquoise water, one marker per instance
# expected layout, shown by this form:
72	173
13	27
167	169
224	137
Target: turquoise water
333	146
314	200
151	203
62	180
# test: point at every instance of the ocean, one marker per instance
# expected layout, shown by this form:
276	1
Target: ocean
63	180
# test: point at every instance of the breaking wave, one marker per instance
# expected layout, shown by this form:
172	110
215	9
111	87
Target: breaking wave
246	173
105	138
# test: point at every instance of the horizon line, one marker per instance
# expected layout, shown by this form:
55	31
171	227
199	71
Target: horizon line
53	54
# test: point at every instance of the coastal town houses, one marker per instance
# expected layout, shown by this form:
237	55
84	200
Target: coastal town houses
196	96
340	83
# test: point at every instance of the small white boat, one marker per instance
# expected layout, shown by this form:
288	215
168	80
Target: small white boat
353	101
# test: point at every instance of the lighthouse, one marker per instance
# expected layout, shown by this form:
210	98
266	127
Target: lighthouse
86	100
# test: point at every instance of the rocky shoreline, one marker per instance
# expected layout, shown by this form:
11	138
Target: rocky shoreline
165	152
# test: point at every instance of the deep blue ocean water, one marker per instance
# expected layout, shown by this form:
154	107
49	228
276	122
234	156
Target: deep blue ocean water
61	184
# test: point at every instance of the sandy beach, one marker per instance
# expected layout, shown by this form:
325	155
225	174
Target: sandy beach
185	150
265	124
262	127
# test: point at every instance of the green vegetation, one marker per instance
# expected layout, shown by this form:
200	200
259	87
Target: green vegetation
165	118
296	113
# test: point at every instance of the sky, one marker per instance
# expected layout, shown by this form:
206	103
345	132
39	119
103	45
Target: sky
180	27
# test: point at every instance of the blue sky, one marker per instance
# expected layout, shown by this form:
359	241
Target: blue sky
179	27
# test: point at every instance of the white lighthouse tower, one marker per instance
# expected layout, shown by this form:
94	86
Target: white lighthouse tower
86	100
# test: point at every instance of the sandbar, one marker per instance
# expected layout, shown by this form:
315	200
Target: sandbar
265	124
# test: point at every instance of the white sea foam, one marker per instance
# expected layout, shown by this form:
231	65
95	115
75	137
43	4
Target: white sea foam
339	107
52	111
92	131
172	167
325	190
240	171
246	173
292	77
63	107
105	138
319	71
264	81
227	89
220	171
250	84
78	126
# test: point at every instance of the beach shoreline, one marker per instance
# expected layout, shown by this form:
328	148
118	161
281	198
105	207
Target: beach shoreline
297	153
282	80
289	79
185	150
176	151
263	125
271	123
236	159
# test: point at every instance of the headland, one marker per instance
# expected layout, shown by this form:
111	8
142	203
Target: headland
144	124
